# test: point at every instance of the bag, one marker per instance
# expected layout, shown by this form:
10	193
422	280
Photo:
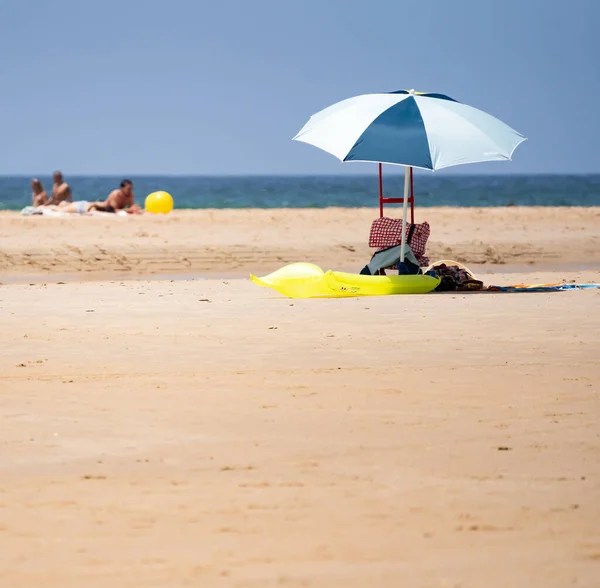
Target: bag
390	257
407	267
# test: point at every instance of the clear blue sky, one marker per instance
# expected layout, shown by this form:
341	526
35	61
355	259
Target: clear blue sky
221	87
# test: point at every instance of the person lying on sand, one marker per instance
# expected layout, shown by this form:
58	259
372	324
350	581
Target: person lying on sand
61	192
118	200
38	194
77	207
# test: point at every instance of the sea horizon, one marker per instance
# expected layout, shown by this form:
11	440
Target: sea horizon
387	172
352	190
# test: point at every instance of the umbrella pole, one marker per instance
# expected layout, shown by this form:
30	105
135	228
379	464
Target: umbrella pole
412	199
380	191
404	209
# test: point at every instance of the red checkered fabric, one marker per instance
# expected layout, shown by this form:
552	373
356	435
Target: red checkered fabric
387	232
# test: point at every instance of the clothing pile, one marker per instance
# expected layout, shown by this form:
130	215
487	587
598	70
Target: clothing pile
454	277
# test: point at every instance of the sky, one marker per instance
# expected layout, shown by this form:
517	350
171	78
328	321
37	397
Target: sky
201	87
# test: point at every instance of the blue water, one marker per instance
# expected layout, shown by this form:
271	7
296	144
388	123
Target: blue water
323	191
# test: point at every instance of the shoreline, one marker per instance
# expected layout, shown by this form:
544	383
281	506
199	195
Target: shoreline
395	210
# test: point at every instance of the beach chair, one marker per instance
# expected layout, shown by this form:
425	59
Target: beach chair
386	235
385	200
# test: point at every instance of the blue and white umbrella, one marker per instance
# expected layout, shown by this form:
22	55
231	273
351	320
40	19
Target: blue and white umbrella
414	129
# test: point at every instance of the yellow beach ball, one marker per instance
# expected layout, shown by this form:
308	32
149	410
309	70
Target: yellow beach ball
159	203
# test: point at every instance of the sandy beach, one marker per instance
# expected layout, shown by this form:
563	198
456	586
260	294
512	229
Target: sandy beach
235	242
162	431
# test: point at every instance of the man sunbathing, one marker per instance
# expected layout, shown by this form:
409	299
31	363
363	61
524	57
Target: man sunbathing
61	192
118	200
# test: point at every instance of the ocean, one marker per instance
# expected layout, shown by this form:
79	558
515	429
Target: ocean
324	191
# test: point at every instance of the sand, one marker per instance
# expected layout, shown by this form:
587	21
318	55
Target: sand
207	432
238	241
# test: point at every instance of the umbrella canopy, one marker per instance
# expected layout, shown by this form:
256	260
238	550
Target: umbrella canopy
414	129
429	131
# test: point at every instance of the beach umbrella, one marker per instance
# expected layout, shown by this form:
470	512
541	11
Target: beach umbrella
413	129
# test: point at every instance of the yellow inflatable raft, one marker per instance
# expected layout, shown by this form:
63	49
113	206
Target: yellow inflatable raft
306	280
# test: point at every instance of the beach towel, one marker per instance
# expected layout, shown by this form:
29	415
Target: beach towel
45	211
30	210
542	287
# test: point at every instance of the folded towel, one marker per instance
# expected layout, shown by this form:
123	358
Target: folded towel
29	210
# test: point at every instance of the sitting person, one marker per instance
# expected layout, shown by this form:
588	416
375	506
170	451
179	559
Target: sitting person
61	192
38	194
